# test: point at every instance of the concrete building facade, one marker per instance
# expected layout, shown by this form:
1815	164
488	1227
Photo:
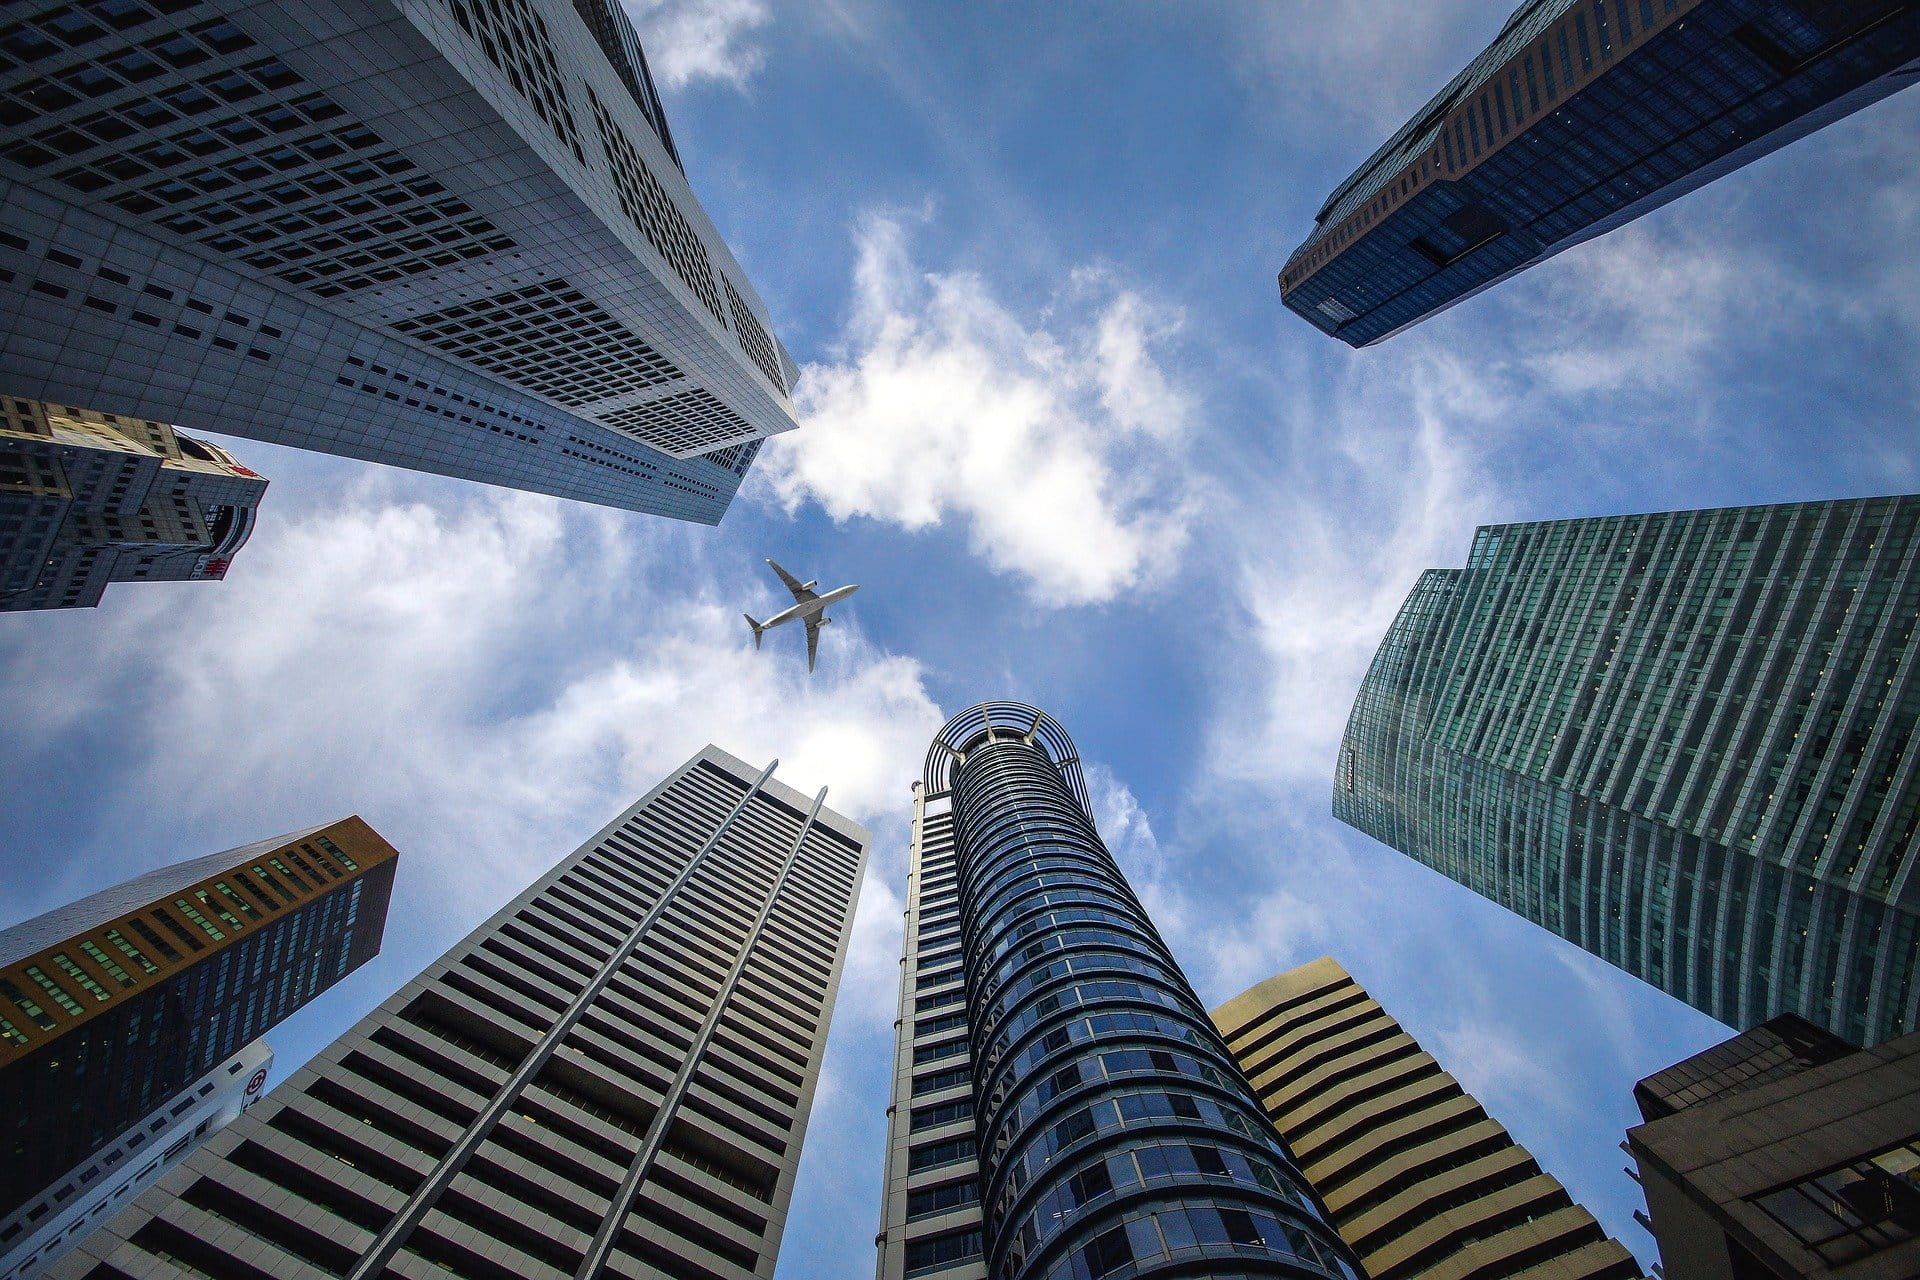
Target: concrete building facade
1682	741
450	235
1578	118
1419	1179
609	1078
112	1006
88	499
1062	1107
1784	1154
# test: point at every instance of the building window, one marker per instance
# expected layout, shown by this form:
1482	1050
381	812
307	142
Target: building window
1860	1208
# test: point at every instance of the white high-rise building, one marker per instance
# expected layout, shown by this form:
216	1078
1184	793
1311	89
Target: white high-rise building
450	235
608	1080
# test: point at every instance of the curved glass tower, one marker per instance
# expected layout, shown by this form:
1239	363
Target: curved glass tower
1089	1122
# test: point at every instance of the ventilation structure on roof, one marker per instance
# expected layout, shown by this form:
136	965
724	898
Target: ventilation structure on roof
548	338
653	212
515	40
753	337
680	424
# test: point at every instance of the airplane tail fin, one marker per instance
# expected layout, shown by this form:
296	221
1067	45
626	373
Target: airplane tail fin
758	630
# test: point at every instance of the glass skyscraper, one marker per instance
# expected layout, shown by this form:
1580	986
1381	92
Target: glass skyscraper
1579	117
608	1080
1063	1108
1683	741
451	235
112	1005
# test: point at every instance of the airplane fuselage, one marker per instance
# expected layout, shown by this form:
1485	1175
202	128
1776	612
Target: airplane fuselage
810	608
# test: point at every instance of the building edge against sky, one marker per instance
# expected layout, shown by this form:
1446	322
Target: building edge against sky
1682	741
1062	1107
90	499
611	1077
54	1223
1784	1153
1581	116
1418	1178
112	1007
441	234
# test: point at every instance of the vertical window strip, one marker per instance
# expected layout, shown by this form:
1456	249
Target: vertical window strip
86	980
133	953
206	926
108	965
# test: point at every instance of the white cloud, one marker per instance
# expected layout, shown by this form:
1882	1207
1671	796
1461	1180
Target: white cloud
485	680
690	40
1385	486
1371	63
1057	440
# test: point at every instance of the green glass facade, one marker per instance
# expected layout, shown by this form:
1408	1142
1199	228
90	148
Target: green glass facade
1683	741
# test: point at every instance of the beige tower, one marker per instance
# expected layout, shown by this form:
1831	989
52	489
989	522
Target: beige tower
1415	1174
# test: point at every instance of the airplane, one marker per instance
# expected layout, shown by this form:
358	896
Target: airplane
807	604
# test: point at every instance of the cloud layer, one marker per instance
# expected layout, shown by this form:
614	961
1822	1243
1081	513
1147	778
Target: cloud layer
692	40
1054	438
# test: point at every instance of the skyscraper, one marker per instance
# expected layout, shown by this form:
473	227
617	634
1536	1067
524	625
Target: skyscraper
114	1004
1421	1181
87	499
1579	117
609	1078
1784	1154
1062	1107
1682	741
47	1227
451	235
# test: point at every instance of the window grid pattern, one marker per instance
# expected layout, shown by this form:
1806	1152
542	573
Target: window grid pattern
166	110
1681	741
681	422
1581	117
654	214
295	188
754	339
515	39
548	338
611	1077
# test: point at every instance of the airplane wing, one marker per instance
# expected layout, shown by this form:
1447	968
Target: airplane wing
800	594
813	641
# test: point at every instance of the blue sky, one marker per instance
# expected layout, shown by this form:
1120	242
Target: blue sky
1060	427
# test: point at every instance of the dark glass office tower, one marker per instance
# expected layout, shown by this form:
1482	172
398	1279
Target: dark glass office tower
1063	1107
1579	117
1682	741
609	1079
113	1004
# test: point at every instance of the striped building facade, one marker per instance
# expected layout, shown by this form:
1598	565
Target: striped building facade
1062	1108
609	1078
1683	741
1420	1180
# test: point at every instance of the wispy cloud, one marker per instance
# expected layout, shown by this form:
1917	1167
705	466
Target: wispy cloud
693	40
418	664
1055	438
